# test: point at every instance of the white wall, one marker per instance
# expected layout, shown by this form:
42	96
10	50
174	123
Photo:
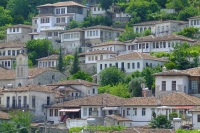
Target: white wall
87	107
92	33
11	30
180	80
86	90
195	120
97	12
192	22
114	48
105	56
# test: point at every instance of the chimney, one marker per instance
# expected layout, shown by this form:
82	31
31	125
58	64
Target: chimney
164	69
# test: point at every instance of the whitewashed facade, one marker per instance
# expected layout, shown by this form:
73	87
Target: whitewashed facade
194	21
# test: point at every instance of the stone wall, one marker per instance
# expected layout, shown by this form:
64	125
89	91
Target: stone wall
50	129
89	68
109	121
75	123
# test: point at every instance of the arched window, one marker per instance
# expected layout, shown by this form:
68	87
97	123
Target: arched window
141	29
137	29
19	85
145	28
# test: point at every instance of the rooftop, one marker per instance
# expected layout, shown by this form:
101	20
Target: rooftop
109	43
12	45
135	56
61	4
21	26
4	116
74	82
159	22
98	52
51	57
118	118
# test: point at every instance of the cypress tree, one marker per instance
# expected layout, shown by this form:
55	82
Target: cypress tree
75	66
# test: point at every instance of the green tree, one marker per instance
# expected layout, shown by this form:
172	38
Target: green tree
119	89
135	86
187	12
5	17
129	34
82	75
147	32
188	32
75	66
111	75
105	4
161	3
73	24
39	48
161	122
60	66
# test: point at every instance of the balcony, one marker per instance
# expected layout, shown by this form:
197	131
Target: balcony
18	106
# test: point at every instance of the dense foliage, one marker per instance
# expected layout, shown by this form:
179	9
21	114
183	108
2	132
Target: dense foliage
82	75
75	65
161	122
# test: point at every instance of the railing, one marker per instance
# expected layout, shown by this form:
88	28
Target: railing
18	106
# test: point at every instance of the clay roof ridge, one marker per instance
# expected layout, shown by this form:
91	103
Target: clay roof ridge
140	55
186	97
136	130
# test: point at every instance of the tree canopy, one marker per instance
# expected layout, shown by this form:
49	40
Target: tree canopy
111	76
82	75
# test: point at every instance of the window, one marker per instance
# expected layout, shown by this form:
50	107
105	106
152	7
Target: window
35	21
97	32
154	45
128	111
55	33
57	20
134	111
48	100
169	44
84	111
173	85
157	45
133	65
33	101
17	29
66	36
110	64
56	112
194	84
8	63
164	44
116	64
147	45
93	91
143	111
138	65
90	111
9	52
0	100
160	44
105	65
25	101
13	52
62	10
93	33
96	57
163	85
51	112
128	64
57	11
100	66
19	101
88	33
94	8
49	34
198	118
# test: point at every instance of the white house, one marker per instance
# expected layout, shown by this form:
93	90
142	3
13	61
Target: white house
152	43
98	34
195	118
49	61
136	111
115	46
32	97
18	33
130	62
94	56
194	21
160	28
186	81
96	10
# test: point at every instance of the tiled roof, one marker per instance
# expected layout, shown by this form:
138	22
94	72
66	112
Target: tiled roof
179	98
141	130
4	116
159	22
7	57
135	56
31	87
171	73
12	45
98	52
97	100
61	4
32	72
141	101
152	38
74	82
194	17
104	27
20	26
118	118
51	57
109	43
72	30
188	72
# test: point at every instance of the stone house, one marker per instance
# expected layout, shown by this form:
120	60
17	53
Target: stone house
98	34
94	56
73	39
73	89
194	21
129	112
23	76
170	81
130	62
18	33
160	28
49	61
